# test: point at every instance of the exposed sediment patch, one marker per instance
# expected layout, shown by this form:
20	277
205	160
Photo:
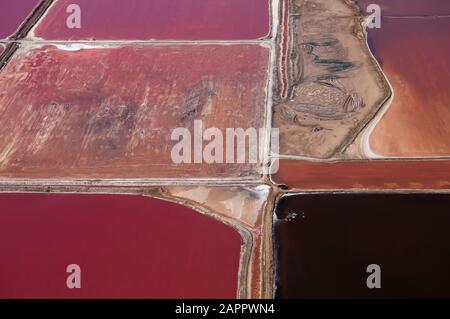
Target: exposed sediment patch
328	86
109	112
247	208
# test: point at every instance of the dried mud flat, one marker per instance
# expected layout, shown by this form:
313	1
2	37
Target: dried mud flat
328	85
66	112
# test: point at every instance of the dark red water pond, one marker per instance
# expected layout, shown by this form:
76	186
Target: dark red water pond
414	56
13	13
126	246
325	251
159	19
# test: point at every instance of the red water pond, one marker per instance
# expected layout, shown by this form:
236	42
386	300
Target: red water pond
414	56
364	174
126	247
159	19
409	7
13	13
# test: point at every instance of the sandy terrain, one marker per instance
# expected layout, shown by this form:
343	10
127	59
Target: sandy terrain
250	207
328	86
